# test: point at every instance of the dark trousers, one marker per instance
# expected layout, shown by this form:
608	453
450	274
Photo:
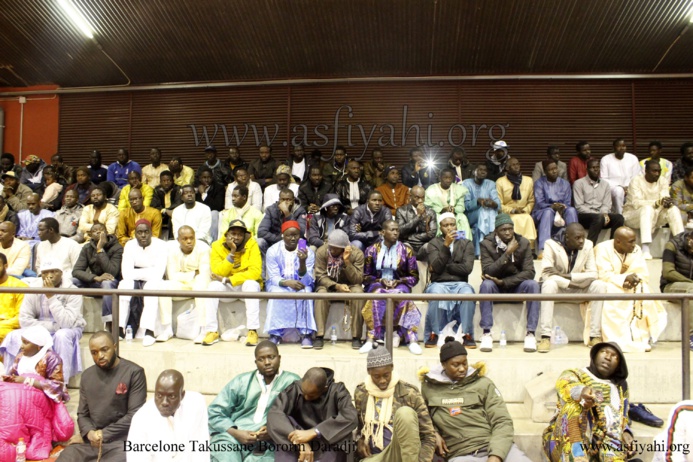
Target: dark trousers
110	452
594	223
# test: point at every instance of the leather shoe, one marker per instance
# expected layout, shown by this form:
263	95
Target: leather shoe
639	413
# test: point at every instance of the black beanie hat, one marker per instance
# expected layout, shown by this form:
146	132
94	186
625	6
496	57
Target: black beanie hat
451	348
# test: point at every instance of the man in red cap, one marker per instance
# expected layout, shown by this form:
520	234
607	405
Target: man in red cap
286	209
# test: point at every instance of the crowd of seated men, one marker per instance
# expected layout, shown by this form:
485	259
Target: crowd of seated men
345	228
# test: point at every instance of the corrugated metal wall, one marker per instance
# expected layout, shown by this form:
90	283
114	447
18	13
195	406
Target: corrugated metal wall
529	115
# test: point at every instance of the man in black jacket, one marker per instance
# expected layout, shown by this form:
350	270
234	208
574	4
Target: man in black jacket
417	222
167	196
352	190
286	209
330	217
507	266
98	266
367	221
450	260
419	171
312	191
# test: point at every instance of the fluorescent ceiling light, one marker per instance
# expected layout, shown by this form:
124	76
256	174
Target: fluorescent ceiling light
77	18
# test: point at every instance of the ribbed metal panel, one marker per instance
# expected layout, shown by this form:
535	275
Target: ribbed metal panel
664	112
529	115
157	41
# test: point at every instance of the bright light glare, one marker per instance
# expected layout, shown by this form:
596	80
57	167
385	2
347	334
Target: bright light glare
77	18
430	163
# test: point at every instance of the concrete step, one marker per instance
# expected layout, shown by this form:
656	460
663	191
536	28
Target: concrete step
655	377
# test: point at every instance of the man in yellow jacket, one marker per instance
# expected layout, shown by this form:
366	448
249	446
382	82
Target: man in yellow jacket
236	267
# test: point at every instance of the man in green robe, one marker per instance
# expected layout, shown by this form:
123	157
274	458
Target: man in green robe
238	415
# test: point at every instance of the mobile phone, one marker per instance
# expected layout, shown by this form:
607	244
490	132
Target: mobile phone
302	245
461	235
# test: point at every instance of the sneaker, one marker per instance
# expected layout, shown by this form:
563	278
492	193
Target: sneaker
415	348
277	340
366	347
432	341
530	343
307	343
594	341
468	342
148	341
355	343
251	338
486	343
639	413
211	338
544	345
198	340
318	343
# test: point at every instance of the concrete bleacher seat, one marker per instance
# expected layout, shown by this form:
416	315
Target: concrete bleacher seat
510	317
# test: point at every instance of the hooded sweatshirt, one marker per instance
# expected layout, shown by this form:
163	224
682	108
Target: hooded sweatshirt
470	414
332	414
320	225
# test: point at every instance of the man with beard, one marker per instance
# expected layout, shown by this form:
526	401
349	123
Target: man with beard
99	211
352	190
593	203
236	265
98	267
234	161
167	196
311	193
683	164
394	193
174	418
568	267
110	394
238	415
618	169
241	209
314	408
152	172
285	210
335	171
367	221
507	266
262	169
373	170
119	170
417	221
516	193
220	173
338	269
30	218
194	214
577	167
298	164
394	423
330	217
553	154
143	267
136	212
242	178
481	206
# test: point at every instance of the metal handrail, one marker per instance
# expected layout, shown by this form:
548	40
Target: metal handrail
683	298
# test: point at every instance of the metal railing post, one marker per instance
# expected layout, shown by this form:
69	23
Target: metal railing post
389	323
115	321
685	350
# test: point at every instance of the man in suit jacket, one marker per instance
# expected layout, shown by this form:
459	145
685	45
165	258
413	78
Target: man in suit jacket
569	267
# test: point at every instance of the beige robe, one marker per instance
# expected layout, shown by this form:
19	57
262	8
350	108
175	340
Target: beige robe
630	324
524	223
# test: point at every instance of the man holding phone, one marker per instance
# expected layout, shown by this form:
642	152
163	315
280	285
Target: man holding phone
450	259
